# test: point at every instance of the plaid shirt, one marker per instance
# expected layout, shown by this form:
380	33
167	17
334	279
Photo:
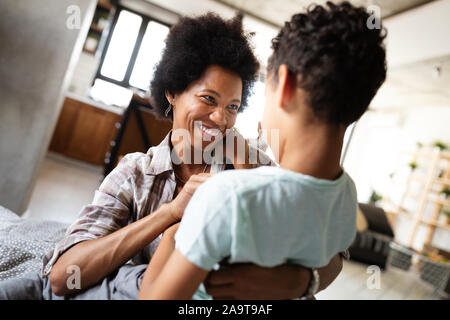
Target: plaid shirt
138	186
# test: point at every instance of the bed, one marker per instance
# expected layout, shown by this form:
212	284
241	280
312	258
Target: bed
23	242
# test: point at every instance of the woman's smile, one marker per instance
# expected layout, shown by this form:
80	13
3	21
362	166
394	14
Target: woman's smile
208	133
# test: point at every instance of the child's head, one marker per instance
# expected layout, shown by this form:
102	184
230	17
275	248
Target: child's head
329	60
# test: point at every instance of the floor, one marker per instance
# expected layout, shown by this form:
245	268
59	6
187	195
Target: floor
356	282
64	186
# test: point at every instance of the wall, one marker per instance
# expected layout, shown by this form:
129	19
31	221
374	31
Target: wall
37	56
419	34
412	106
84	73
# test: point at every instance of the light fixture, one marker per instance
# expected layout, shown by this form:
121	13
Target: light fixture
437	71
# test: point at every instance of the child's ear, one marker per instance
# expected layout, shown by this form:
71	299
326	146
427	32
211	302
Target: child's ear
285	88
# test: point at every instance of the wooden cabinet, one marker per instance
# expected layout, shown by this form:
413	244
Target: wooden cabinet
84	132
87	133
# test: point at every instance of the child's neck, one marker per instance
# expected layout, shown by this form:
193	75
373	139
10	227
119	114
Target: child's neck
314	150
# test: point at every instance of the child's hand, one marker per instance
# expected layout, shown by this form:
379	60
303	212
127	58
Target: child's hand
239	155
178	204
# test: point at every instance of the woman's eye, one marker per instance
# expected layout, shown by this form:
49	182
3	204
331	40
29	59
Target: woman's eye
209	99
233	107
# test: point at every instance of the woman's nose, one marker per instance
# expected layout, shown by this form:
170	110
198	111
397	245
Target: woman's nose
219	117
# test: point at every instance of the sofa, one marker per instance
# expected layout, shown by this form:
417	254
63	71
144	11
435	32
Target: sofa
374	233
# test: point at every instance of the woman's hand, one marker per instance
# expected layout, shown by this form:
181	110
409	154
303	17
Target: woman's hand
251	282
178	204
248	281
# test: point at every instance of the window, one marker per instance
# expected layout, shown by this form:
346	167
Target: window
132	50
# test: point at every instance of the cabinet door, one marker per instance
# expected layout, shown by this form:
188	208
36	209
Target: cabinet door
65	126
132	140
92	134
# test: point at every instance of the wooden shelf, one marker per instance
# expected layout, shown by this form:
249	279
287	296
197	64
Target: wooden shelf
89	51
418	177
104	4
401	212
430	153
441	201
435	224
443	181
429	179
96	28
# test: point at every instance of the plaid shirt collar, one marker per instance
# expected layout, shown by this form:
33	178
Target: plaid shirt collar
161	160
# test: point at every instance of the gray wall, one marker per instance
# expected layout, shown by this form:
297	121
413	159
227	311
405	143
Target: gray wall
37	54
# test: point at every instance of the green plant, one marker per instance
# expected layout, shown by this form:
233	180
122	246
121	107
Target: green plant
446	191
446	212
375	197
93	35
440	145
413	165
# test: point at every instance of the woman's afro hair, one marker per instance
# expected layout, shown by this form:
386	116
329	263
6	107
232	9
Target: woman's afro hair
192	45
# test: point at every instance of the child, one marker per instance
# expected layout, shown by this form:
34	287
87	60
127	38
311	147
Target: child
325	69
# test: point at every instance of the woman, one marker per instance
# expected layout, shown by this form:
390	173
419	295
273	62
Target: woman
201	83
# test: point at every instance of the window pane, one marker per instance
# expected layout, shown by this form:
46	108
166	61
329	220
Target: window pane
247	121
149	55
110	93
121	45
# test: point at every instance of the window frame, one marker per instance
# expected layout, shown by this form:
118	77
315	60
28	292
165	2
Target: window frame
125	83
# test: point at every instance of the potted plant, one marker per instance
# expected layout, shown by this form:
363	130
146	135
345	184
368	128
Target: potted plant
446	212
375	198
446	192
413	165
439	144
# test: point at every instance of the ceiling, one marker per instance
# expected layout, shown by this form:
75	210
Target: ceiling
276	12
412	85
422	84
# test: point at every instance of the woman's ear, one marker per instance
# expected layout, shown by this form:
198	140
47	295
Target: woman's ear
285	87
170	97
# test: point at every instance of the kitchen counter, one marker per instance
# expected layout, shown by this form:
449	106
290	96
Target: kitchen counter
92	102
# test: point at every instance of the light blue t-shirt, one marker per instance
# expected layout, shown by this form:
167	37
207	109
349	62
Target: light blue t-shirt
267	216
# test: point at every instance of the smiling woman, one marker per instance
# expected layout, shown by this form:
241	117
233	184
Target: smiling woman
209	106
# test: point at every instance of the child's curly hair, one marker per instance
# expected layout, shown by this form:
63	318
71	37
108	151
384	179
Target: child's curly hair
339	61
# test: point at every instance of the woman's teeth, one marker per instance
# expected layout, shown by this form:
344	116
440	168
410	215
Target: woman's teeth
211	132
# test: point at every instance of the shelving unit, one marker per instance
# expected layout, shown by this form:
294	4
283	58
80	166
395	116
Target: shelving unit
437	174
99	26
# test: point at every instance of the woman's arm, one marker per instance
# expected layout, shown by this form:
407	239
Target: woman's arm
99	257
178	280
248	281
330	272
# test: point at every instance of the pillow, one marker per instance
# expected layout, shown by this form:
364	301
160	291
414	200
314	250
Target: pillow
376	219
361	222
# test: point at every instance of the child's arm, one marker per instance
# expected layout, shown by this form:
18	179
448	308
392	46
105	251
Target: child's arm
178	280
159	258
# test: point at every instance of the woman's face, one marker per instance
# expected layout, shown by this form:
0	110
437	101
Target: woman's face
208	106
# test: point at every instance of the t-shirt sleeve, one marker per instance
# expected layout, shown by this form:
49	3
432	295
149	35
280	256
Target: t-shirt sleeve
204	235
